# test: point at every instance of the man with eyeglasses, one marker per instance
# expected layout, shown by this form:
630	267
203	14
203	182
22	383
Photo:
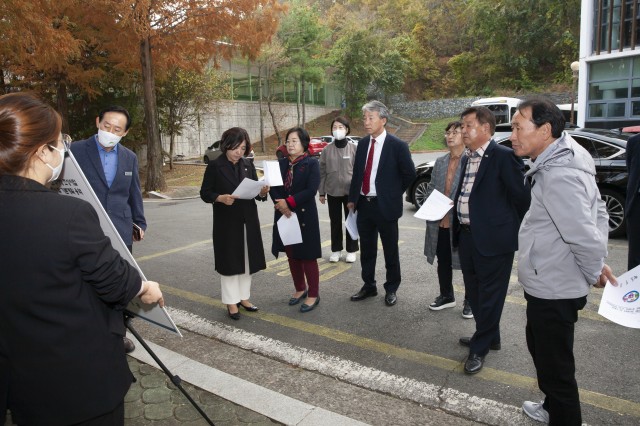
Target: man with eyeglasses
112	172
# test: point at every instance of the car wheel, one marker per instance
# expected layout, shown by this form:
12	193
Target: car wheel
615	207
205	160
420	191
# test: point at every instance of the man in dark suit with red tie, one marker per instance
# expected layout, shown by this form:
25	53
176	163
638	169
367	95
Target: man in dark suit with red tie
382	171
491	200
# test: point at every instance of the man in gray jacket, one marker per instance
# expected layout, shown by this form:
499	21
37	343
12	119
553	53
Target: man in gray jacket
562	247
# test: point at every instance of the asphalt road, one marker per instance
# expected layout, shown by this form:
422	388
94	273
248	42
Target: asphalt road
406	340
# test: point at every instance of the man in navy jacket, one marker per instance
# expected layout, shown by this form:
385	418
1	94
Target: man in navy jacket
382	171
112	172
491	200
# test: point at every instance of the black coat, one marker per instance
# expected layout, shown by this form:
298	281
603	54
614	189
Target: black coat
306	180
62	291
221	177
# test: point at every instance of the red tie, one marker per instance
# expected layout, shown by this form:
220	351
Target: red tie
367	169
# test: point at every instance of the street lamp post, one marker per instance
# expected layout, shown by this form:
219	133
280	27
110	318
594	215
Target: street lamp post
575	67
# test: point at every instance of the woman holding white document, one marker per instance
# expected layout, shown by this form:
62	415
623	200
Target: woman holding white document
237	241
437	242
301	177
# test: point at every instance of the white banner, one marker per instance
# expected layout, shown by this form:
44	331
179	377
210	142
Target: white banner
74	183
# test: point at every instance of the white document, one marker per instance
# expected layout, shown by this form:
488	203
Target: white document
435	207
248	189
621	304
272	175
351	223
289	230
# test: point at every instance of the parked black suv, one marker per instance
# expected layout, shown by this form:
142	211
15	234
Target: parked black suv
608	149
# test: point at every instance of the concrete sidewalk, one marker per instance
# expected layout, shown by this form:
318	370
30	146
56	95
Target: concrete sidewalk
241	378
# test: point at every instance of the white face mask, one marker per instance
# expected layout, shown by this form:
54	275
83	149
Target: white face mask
57	169
339	134
108	140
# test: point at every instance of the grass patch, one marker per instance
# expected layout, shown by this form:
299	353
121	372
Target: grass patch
433	137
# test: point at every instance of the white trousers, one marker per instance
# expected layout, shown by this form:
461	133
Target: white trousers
237	287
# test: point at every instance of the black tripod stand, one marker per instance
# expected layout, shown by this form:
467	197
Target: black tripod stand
176	380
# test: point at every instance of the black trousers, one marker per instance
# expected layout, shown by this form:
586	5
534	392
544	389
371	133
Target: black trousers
370	224
338	205
486	281
550	334
633	235
445	268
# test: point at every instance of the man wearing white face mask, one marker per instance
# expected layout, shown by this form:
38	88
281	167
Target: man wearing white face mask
336	169
112	171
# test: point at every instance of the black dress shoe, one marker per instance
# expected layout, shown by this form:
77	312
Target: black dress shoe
128	345
466	341
296	300
363	294
390	299
234	316
473	364
252	308
307	308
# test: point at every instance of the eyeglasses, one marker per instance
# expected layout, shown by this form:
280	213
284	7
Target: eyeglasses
452	133
66	143
291	142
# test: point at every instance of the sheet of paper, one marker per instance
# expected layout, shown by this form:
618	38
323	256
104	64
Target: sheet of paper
352	225
435	207
248	189
272	175
621	304
289	230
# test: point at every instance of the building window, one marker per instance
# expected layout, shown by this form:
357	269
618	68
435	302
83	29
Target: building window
616	25
614	93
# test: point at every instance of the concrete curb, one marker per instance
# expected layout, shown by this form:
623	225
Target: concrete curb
276	406
452	401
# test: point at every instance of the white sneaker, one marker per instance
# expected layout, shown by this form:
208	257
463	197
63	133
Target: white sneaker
350	258
335	256
536	411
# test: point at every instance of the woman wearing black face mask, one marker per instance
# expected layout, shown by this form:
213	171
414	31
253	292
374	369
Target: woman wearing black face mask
336	169
63	286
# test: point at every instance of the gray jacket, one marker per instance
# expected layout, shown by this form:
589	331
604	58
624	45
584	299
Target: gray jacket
438	178
336	169
563	237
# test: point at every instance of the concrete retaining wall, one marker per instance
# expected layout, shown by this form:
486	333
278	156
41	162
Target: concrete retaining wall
439	108
194	140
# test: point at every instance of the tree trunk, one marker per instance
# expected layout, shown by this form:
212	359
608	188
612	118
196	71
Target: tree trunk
3	87
303	101
155	179
295	82
62	105
262	141
172	140
273	117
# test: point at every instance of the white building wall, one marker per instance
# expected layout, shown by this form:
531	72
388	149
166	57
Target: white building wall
195	139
